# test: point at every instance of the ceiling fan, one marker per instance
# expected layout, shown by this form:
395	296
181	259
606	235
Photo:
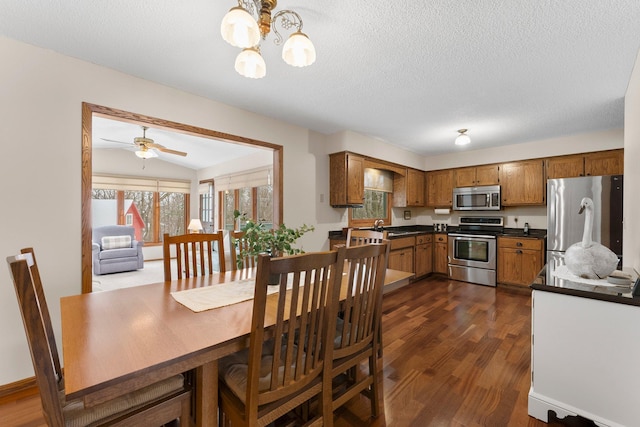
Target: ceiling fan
146	146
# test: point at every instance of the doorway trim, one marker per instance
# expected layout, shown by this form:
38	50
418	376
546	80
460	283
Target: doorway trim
89	110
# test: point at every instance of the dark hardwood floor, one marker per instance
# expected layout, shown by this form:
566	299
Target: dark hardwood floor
455	354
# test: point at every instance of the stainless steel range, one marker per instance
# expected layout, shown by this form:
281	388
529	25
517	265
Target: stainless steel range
472	250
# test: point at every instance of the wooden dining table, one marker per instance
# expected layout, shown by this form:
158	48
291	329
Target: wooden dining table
117	341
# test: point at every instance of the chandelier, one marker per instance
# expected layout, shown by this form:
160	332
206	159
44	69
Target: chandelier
245	24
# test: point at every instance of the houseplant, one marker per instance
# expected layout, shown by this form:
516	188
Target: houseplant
262	240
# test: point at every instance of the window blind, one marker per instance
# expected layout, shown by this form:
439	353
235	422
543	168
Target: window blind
248	179
108	182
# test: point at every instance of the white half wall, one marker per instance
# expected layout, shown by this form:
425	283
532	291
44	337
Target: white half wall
631	232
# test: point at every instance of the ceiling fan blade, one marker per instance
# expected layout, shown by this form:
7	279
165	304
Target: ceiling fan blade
119	142
169	151
166	150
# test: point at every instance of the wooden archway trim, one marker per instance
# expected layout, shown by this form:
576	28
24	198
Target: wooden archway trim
88	110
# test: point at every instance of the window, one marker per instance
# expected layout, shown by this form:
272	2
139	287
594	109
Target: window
376	206
378	187
249	192
153	207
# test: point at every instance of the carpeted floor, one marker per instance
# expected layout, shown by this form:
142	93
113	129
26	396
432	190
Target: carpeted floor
152	272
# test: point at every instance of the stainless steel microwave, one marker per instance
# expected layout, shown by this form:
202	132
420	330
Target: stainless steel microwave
483	198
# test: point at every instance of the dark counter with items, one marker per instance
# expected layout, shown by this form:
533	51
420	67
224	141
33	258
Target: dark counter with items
549	280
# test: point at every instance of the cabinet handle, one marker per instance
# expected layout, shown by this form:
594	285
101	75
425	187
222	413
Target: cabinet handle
519	244
518	251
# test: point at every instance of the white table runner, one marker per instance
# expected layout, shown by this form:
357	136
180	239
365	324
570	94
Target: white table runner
215	296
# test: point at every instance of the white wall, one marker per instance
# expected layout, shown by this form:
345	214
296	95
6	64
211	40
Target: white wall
631	233
40	165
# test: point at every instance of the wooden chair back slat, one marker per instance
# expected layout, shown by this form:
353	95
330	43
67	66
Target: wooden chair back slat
194	254
300	312
43	348
238	246
364	237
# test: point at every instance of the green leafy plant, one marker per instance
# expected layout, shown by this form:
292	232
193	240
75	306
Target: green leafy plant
275	242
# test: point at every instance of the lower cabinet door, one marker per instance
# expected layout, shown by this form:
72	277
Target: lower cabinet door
424	260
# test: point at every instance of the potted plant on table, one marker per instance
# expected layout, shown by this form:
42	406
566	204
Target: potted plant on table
262	240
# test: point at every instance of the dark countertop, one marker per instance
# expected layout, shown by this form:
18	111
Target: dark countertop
409	230
549	282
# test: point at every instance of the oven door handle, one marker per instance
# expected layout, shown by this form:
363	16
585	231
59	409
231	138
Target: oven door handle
472	236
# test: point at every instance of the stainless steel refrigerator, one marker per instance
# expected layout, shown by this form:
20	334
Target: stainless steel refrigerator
565	226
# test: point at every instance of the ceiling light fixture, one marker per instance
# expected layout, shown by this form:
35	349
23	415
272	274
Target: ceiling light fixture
463	138
145	153
243	26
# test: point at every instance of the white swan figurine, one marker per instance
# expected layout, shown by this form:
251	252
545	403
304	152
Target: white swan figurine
589	259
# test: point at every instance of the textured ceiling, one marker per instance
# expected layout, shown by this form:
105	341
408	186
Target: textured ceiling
407	72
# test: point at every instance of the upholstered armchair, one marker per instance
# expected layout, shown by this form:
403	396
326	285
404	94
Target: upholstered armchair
115	249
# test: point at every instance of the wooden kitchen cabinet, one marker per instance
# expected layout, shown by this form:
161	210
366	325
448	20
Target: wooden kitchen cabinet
424	255
401	254
440	188
519	260
409	190
609	162
477	175
604	163
441	254
346	179
523	183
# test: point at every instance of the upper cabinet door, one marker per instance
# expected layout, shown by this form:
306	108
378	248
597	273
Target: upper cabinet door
466	177
440	188
565	166
604	163
346	179
477	175
487	175
523	183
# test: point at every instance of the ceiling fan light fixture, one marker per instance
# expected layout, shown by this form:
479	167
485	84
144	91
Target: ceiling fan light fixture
298	51
146	153
250	63
239	28
463	138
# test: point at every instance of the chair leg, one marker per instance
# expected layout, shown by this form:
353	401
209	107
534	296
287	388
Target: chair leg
375	388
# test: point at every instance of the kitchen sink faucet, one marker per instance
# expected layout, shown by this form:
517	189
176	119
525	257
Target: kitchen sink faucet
377	225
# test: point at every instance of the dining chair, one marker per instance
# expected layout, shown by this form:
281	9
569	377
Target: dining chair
284	366
194	254
358	335
364	237
154	405
237	245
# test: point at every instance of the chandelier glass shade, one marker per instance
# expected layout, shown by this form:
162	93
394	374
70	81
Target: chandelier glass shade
240	29
463	138
298	51
250	63
245	24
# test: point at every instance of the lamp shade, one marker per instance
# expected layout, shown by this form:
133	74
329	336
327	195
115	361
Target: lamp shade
298	50
195	226
146	154
239	28
250	63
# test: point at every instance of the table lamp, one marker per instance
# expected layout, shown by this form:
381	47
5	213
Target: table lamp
195	226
